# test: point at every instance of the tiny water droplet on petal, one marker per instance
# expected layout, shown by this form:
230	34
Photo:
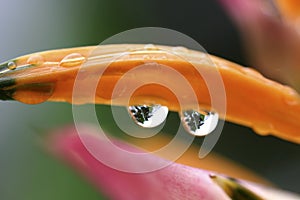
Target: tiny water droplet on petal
146	57
148	116
163	57
180	49
35	59
199	123
292	98
72	60
11	65
150	47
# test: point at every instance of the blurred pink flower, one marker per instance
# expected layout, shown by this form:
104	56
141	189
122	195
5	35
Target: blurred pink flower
271	35
175	181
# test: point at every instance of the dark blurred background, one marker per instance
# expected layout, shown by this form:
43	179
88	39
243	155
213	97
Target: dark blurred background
27	172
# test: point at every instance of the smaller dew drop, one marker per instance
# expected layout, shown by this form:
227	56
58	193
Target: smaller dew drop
11	65
146	57
163	57
199	123
150	47
35	59
148	116
180	49
72	60
291	97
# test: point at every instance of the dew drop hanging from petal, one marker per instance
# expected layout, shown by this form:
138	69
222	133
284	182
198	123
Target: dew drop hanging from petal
199	123
148	116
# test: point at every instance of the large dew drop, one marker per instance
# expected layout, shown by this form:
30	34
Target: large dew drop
34	93
72	60
199	123
150	47
148	116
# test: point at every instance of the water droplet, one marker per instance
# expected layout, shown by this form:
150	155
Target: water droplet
146	57
34	93
180	49
263	128
72	60
150	47
11	65
163	57
291	97
199	123
35	59
148	116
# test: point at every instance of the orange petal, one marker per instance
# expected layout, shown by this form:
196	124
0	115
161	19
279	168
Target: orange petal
252	100
290	9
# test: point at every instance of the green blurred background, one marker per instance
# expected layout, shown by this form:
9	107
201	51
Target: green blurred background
27	172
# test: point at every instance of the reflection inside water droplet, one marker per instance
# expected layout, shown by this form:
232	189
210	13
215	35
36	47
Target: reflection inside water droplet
148	116
11	65
72	60
199	123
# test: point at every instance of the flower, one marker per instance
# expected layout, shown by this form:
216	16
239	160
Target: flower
176	181
271	35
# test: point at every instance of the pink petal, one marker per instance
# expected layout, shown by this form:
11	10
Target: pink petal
175	181
241	10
